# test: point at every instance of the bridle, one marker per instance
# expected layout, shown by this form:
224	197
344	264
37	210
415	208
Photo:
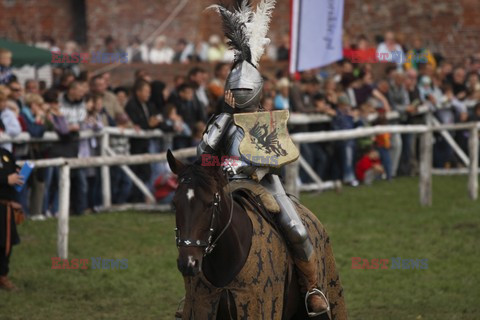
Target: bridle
208	244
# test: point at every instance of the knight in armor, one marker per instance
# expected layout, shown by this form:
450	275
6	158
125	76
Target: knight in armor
246	31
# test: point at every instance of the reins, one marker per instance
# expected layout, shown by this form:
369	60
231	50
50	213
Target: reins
208	244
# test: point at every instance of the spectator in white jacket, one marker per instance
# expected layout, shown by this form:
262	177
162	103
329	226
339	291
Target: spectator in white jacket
390	50
161	53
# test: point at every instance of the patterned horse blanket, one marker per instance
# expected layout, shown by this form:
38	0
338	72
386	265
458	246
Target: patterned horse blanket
258	289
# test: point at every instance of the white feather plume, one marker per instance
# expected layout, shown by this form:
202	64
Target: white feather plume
235	30
244	12
258	29
253	25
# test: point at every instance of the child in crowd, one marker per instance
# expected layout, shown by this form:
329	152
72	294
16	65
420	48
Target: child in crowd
165	186
5	61
93	121
100	114
90	147
365	111
369	168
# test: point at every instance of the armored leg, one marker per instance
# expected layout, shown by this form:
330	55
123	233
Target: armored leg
290	222
316	302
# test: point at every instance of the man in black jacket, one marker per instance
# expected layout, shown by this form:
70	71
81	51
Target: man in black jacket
145	116
188	106
8	231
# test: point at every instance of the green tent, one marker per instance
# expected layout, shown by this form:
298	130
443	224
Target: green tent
23	54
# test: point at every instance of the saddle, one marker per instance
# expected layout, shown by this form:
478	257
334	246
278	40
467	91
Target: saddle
255	190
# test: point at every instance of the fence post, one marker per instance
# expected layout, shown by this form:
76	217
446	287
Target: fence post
106	190
426	155
291	175
473	168
63	211
136	181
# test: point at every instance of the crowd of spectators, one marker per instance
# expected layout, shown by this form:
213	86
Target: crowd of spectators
164	50
347	92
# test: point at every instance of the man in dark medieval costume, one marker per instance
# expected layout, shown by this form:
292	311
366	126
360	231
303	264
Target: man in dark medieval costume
9	209
257	143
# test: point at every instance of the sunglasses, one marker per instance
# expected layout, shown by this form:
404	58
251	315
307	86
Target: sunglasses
16	89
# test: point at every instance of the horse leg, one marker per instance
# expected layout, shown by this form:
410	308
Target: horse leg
226	307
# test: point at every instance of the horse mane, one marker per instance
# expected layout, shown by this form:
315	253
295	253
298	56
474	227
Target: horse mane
202	176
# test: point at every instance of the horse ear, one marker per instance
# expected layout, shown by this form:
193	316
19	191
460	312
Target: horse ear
175	165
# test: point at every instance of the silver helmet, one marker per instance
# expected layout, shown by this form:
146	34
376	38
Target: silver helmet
246	31
246	84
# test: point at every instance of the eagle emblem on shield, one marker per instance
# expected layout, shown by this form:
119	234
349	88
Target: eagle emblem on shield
266	141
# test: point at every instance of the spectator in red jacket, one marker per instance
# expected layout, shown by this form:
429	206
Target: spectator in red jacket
369	167
165	186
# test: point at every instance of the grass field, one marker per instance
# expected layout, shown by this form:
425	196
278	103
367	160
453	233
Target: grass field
382	221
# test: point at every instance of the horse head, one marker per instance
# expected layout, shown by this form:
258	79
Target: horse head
199	201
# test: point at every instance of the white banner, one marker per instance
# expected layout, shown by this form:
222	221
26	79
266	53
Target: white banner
316	33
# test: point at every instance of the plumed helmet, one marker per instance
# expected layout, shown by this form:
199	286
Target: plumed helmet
246	84
246	31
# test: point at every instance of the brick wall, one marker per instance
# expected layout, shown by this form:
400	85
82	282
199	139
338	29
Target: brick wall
29	20
124	20
451	27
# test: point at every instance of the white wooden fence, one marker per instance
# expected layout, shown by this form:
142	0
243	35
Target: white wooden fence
108	159
426	153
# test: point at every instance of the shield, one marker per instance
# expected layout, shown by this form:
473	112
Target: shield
266	142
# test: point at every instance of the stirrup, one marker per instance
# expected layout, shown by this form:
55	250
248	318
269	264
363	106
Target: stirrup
311	293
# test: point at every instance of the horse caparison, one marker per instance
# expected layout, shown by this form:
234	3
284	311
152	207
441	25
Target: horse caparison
249	273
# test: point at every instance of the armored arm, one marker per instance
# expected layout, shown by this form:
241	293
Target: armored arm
213	135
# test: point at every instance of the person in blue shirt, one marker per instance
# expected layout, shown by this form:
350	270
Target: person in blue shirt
282	99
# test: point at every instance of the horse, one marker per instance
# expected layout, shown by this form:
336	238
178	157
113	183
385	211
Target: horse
235	263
